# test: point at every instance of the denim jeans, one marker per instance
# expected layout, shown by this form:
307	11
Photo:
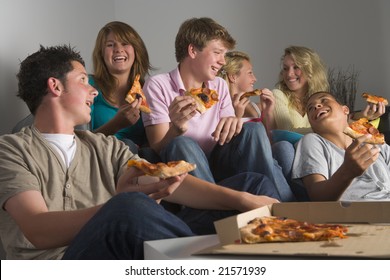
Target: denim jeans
202	221
185	148
250	151
119	229
284	153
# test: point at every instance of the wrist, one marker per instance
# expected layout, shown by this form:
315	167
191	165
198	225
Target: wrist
177	130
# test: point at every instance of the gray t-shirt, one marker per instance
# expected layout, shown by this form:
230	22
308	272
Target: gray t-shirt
316	155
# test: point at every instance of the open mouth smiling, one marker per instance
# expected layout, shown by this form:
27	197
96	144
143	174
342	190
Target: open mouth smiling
321	113
119	58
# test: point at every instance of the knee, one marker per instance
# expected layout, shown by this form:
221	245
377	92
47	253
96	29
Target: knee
256	130
128	203
258	184
181	141
181	144
283	147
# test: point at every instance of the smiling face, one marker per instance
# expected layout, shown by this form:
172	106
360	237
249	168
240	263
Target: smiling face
325	113
208	61
118	56
245	79
293	76
78	95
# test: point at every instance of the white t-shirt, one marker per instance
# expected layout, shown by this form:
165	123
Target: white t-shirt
64	144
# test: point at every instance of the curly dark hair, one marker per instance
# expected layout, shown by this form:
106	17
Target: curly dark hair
38	67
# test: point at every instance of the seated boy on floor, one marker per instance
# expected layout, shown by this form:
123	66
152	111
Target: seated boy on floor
332	165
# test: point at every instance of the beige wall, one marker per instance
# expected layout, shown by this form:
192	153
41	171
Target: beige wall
346	32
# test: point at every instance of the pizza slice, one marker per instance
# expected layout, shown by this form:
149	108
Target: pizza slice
279	229
162	170
256	92
375	99
361	127
136	92
205	98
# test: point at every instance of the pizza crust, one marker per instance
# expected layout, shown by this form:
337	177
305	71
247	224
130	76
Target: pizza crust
256	92
200	107
162	170
376	139
374	98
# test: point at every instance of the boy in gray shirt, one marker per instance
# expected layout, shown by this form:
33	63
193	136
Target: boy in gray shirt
332	165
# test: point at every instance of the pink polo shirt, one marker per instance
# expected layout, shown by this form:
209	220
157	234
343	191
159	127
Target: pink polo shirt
160	90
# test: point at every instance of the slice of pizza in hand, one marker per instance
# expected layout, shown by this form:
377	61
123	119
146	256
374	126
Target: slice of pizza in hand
361	127
279	229
136	92
256	92
375	99
205	98
162	170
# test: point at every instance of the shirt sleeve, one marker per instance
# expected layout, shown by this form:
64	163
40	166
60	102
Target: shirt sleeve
282	117
310	157
159	99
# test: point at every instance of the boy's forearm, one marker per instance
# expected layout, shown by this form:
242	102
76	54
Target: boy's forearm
200	194
331	189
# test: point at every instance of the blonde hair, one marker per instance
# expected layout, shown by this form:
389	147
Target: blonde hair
123	32
234	62
312	67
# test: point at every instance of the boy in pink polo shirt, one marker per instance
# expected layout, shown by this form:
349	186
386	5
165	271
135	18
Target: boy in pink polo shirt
217	141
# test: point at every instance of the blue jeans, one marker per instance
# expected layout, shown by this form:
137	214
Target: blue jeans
119	229
202	221
284	153
185	148
250	151
132	146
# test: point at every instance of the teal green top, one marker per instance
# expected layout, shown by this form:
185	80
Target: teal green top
102	112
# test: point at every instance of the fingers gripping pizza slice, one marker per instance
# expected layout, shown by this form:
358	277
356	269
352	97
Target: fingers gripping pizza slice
256	92
375	99
205	98
162	170
135	93
361	127
279	229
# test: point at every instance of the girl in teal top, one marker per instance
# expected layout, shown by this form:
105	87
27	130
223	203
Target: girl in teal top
102	112
119	55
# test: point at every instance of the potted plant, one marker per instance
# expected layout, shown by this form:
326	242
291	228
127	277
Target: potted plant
343	84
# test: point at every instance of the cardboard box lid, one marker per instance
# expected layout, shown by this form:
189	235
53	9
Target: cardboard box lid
365	240
335	212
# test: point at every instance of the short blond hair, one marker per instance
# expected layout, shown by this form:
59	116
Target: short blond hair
234	62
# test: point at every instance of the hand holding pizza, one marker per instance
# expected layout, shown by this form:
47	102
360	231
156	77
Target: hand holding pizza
376	106
133	180
374	111
128	114
226	129
359	156
267	103
181	110
239	103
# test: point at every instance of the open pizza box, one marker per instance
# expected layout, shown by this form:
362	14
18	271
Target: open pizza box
368	231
